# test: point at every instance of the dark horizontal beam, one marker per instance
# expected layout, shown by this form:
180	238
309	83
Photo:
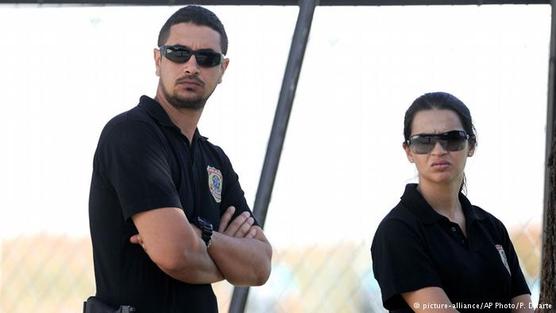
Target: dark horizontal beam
280	2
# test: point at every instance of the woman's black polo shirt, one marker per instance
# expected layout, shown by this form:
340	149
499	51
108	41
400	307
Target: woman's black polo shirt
415	247
143	162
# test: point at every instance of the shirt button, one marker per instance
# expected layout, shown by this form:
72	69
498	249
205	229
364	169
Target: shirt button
453	228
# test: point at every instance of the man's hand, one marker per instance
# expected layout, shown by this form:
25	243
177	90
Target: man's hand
240	227
240	250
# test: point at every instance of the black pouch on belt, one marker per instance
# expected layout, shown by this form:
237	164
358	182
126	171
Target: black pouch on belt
95	305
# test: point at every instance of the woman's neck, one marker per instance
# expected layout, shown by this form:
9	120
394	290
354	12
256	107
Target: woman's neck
443	198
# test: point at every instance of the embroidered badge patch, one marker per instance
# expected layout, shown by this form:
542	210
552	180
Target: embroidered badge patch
215	183
503	257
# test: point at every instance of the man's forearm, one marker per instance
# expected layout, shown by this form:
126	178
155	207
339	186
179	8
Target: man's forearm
199	269
242	261
193	265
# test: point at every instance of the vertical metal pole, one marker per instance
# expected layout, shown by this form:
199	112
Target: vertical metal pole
550	118
548	270
279	127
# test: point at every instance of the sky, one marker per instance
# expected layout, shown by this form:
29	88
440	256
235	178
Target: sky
67	70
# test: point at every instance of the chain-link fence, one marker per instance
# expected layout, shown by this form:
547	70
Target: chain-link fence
54	274
44	273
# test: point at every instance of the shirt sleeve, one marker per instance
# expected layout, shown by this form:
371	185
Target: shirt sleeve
134	161
519	285
401	262
232	194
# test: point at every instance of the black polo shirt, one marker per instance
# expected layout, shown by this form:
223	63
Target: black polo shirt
143	162
415	247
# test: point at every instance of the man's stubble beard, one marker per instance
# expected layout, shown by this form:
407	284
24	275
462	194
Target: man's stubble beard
180	103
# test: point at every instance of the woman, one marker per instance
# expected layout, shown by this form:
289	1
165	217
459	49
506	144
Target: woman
435	252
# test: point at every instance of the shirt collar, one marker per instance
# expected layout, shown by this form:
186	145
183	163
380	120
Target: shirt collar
155	110
414	201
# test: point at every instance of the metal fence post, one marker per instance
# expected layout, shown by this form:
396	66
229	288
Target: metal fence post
548	265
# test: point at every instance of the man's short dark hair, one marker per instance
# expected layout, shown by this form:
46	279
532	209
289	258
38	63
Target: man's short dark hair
198	16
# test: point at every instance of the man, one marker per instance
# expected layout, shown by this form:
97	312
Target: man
167	214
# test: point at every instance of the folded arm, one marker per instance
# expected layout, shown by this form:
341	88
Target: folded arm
429	299
174	246
241	250
435	299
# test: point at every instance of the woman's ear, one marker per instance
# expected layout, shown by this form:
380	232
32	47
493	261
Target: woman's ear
472	145
471	152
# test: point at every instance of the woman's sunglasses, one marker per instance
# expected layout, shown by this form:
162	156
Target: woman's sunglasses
182	54
450	141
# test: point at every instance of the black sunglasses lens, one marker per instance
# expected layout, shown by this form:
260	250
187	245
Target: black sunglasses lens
176	54
455	140
208	58
422	144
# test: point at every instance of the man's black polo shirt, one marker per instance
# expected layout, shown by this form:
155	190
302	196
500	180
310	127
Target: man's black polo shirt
415	247
143	162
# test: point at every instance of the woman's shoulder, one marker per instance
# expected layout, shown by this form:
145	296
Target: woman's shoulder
399	228
488	221
483	215
399	217
400	212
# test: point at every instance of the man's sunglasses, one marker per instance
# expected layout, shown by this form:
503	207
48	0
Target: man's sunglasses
450	141
181	54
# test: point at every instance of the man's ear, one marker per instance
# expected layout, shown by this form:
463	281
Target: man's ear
157	61
408	153
223	67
